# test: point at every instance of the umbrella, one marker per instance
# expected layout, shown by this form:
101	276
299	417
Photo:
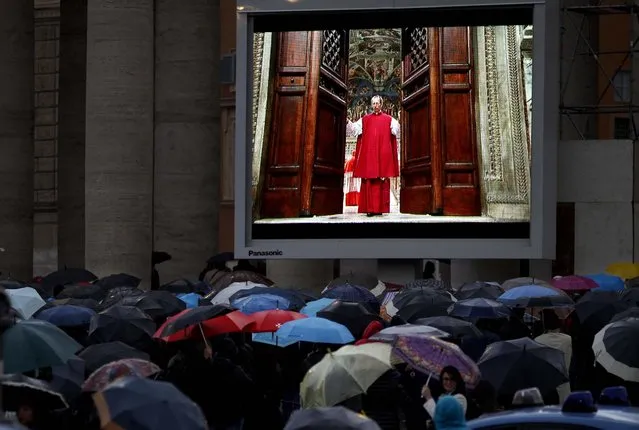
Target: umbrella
85	303
159	257
596	308
271	321
435	284
224	296
96	356
271	339
535	296
430	355
26	301
108	373
312	308
296	301
18	388
345	373
67	378
628	313
456	327
221	258
124	323
316	330
574	283
334	418
420	303
191	300
624	270
11	284
520	282
118	280
479	308
67	315
522	363
388	335
159	305
616	350
353	316
184	286
607	282
631	296
262	302
367	281
178	327
116	295
355	294
479	290
144	404
34	344
240	276
66	276
632	283
232	322
82	292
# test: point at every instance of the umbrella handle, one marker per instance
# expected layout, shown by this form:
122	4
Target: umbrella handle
430	375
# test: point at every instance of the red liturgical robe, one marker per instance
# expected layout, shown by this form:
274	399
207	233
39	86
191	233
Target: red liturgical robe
352	184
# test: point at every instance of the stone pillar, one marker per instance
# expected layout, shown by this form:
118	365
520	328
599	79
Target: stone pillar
312	275
71	132
187	134
119	137
16	138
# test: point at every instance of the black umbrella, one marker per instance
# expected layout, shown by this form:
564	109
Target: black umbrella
632	283
118	280
184	286
157	304
67	378
159	257
335	418
221	258
415	303
354	294
455	327
96	356
66	277
115	295
82	292
631	296
479	290
628	313
85	303
522	363
596	308
617	351
193	317
17	388
240	276
368	281
354	316
435	284
122	323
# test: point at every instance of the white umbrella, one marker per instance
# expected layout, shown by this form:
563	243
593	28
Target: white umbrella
26	301
224	296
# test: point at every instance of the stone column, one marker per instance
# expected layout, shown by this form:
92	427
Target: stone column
71	132
16	138
119	137
312	275
187	134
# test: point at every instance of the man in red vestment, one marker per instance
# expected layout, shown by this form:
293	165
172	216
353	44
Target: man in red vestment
375	158
352	184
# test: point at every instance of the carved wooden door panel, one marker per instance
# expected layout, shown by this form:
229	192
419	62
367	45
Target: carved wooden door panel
326	157
460	170
419	135
292	119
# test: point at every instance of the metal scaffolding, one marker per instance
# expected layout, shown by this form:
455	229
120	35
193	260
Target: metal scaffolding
583	114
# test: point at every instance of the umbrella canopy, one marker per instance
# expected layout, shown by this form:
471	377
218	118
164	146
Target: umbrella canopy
85	303
18	388
262	302
574	283
631	296
159	305
354	316
628	313
354	294
191	300
435	284
67	316
143	404
596	308
523	363
241	277
535	296
367	281
224	296
479	308
520	282
232	322
115	295
122	323
184	286
12	284
294	299
616	349
430	355
118	280
316	330
345	373
26	301
453	326
624	270
272	339
176	328
159	257
415	303
608	282
271	321
479	290
82	292
66	276
334	418
312	308
67	378
108	373
96	356
34	344
390	334
632	283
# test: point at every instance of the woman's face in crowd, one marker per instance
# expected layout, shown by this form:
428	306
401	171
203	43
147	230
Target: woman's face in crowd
25	415
448	383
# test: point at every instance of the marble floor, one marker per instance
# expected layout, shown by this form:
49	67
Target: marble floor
386	218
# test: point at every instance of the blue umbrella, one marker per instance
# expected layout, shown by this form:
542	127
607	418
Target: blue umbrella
192	300
312	308
355	294
296	302
607	282
260	302
67	315
534	296
271	339
316	330
479	308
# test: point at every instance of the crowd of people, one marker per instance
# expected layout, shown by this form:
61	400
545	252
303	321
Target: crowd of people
240	382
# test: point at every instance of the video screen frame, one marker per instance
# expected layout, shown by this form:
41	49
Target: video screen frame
541	241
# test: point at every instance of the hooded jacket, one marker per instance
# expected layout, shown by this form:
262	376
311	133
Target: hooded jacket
449	414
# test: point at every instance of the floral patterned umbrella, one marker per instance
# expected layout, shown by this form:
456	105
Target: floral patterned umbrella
117	369
430	355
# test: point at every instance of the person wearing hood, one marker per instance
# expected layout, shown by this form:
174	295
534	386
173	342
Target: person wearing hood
449	414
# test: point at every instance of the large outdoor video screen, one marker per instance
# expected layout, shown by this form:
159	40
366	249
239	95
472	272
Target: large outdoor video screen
392	126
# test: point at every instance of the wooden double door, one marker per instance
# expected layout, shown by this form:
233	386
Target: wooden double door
304	169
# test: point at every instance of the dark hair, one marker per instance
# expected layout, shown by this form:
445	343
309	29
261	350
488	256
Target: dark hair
551	320
429	270
456	376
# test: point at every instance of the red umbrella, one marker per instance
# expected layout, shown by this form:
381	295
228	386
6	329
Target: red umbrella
229	323
270	321
181	326
574	283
